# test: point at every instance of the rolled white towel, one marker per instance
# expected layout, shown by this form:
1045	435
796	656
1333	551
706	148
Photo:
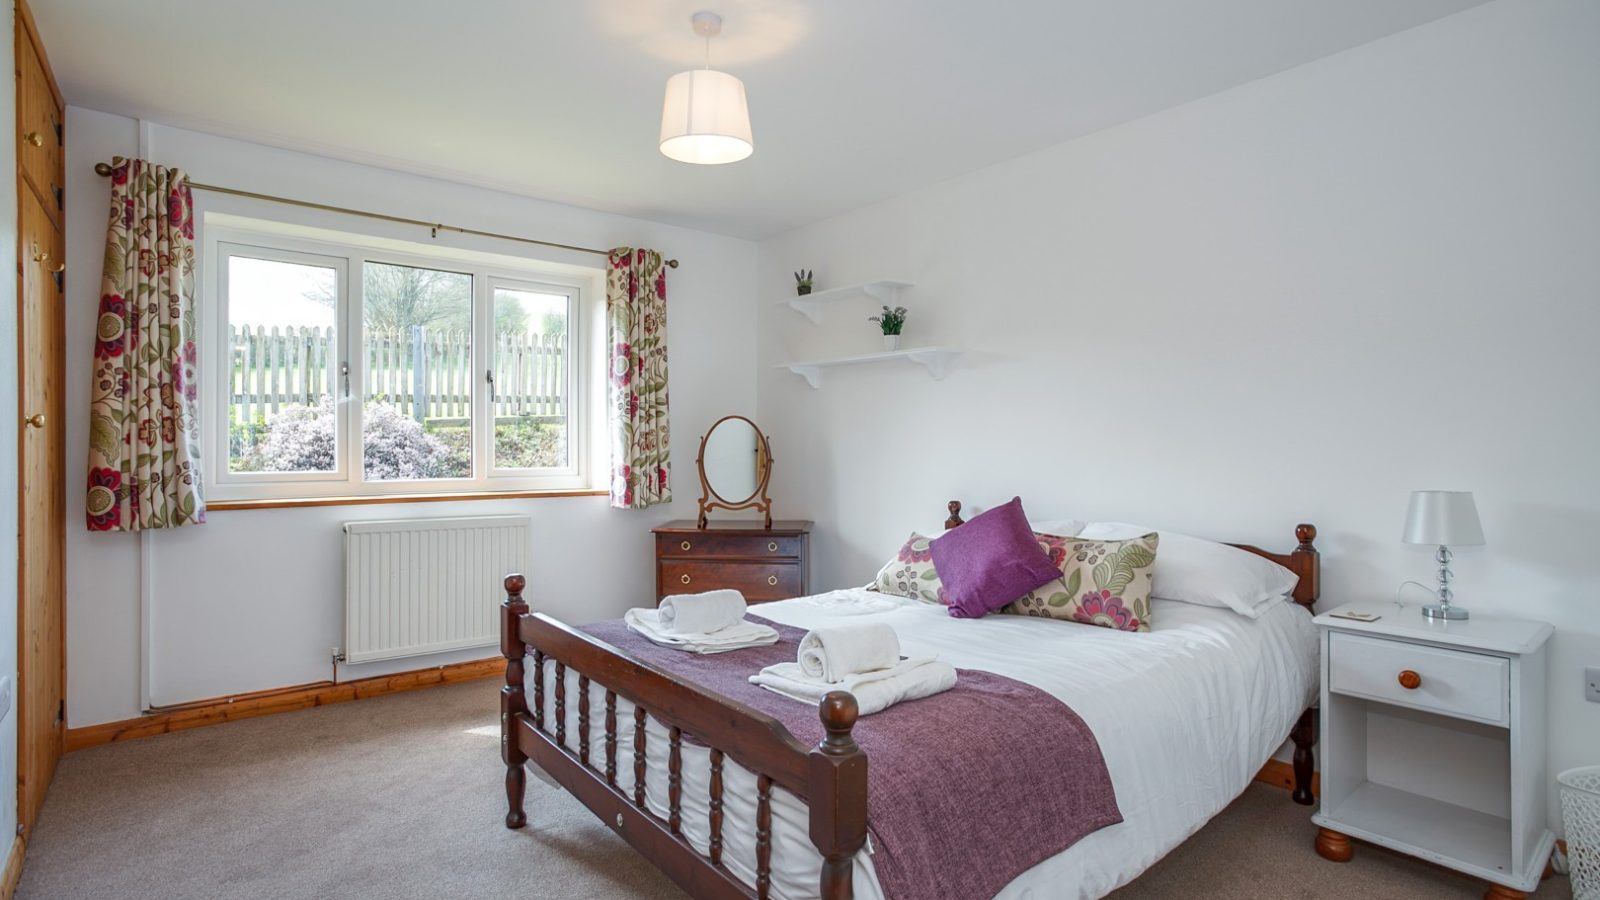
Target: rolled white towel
646	623
837	652
701	613
876	691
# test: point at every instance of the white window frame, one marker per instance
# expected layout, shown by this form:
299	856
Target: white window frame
576	446
349	254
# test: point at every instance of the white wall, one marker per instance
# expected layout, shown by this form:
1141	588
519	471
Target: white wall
252	599
10	417
1295	301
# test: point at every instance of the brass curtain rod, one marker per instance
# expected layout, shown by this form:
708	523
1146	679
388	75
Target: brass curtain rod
104	169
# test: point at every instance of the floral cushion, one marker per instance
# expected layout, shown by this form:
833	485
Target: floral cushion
1104	583
911	573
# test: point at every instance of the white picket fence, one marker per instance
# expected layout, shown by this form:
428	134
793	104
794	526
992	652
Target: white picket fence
427	375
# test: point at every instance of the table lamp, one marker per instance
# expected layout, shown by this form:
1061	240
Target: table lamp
1444	519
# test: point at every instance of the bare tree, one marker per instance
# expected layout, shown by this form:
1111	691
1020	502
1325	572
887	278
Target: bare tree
396	298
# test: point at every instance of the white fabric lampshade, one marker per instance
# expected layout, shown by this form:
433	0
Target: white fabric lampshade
1443	518
704	119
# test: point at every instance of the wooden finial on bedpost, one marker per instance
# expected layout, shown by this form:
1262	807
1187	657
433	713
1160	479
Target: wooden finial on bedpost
838	794
1306	533
955	515
513	699
1307	564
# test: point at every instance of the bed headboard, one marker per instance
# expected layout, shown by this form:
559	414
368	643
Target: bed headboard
1303	560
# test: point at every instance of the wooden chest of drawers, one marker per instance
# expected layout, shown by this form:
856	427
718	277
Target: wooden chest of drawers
761	563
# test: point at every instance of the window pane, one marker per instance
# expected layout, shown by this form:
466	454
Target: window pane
530	379
417	403
281	318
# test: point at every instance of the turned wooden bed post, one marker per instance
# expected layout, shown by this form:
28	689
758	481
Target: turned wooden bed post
1304	736
513	700
838	795
954	506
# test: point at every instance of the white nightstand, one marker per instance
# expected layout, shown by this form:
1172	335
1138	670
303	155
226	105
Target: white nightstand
1433	742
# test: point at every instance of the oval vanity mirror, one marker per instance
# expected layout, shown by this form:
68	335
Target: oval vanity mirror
735	465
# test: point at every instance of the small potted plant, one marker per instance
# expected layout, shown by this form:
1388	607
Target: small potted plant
802	282
891	321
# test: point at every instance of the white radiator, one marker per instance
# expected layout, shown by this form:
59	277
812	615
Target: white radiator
417	586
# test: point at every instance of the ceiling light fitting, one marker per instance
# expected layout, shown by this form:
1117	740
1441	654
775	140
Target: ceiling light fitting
704	119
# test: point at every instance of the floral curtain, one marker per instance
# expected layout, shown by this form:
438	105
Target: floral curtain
636	338
144	435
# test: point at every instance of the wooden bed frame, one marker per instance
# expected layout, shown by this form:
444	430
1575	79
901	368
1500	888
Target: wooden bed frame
831	777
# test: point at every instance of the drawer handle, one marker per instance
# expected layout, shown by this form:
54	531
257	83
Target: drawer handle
773	546
1410	680
772	579
34	138
684	579
684	545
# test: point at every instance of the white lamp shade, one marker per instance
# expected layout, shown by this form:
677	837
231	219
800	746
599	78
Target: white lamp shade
704	119
1443	518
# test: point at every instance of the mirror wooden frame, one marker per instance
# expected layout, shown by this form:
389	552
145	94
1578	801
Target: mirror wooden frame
710	499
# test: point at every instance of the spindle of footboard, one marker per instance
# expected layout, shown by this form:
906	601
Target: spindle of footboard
716	807
638	756
538	689
583	718
675	781
513	700
763	836
561	703
611	737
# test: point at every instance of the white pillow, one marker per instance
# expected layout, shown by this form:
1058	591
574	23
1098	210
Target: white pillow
1059	527
1206	573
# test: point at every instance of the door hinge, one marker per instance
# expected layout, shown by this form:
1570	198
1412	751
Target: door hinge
61	712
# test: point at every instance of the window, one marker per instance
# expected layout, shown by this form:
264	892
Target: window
347	369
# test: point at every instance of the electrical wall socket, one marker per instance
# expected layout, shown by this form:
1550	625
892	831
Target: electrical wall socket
1591	684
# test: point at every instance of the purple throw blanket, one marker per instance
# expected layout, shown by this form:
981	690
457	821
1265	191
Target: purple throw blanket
966	789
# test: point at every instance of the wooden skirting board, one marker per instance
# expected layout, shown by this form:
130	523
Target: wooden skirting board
1281	774
13	870
266	703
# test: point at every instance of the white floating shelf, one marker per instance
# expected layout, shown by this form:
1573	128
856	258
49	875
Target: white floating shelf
885	291
935	359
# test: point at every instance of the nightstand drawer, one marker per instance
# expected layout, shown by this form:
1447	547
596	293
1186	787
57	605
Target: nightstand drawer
726	546
757	581
1452	682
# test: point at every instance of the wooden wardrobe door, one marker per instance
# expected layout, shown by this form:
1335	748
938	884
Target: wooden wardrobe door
41	623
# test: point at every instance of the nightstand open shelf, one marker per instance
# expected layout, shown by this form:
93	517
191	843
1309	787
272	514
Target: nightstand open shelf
1433	743
1435	830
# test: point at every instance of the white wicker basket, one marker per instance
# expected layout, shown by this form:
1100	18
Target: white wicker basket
1580	812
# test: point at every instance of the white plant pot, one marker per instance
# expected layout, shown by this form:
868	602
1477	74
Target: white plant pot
891	342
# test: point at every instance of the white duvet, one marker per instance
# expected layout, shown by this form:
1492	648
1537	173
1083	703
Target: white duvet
1185	716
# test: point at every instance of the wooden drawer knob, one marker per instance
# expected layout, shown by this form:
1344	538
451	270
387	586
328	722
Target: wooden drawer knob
684	579
1410	680
773	546
772	579
684	545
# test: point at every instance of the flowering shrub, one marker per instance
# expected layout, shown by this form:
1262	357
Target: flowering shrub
396	446
302	439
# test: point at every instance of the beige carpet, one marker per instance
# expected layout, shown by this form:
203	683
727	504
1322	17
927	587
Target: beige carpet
402	797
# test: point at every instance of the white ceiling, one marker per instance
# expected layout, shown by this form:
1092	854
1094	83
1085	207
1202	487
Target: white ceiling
851	101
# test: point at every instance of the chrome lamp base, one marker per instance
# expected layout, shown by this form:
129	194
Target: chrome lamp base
1443	610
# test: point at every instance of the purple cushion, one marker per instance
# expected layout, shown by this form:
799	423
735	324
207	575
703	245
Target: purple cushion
990	561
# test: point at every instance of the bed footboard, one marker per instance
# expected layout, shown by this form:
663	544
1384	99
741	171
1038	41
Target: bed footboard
831	778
